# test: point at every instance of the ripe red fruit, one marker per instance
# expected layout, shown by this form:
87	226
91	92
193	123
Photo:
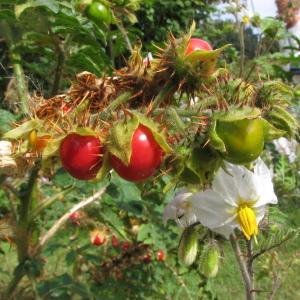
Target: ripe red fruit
125	246
98	239
81	155
74	218
197	44
147	258
160	255
146	157
115	242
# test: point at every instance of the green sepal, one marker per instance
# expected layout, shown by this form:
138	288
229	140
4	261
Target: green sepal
205	55
119	143
158	136
85	131
271	132
215	141
283	120
105	168
23	129
52	148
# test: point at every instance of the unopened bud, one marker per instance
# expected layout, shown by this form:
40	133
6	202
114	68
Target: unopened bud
188	246
209	260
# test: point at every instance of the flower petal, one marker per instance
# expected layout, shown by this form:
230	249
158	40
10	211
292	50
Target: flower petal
264	184
211	209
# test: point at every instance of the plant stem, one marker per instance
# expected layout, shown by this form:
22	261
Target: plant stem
55	227
242	45
15	58
125	35
250	295
17	277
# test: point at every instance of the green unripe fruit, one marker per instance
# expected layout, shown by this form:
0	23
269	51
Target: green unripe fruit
99	13
243	139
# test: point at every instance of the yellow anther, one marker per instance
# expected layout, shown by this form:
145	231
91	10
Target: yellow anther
247	220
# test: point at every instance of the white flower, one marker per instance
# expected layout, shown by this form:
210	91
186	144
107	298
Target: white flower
181	209
286	147
237	199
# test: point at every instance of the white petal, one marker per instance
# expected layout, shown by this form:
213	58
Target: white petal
260	213
211	209
264	184
226	230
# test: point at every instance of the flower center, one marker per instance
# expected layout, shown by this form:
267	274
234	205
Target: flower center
247	220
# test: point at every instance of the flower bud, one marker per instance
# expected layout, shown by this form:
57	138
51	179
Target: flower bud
209	261
188	246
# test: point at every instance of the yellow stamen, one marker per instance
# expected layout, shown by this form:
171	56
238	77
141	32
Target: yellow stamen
247	220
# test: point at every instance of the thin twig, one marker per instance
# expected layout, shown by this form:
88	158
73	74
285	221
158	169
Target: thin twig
55	227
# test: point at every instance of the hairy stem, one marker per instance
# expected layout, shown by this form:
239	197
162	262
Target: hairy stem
250	295
121	99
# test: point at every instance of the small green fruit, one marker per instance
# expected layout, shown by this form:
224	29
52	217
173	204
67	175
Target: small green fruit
99	13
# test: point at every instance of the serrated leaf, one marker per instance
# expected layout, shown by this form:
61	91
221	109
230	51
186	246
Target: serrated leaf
119	143
23	129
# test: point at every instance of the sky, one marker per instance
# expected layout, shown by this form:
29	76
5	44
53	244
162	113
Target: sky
265	8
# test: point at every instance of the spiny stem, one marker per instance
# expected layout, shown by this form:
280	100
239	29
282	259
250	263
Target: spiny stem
121	99
250	295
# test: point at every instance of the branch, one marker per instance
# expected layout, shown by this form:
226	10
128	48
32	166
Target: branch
243	268
55	227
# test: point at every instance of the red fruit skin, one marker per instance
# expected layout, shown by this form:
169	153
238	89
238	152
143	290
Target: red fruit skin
81	155
197	44
115	242
147	258
74	218
146	157
99	240
125	246
160	256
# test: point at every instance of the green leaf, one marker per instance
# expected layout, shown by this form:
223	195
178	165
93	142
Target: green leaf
120	139
6	118
52	147
23	129
52	5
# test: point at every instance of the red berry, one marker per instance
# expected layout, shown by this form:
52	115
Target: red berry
146	157
81	155
147	258
99	239
160	255
125	246
115	242
197	44
65	108
74	218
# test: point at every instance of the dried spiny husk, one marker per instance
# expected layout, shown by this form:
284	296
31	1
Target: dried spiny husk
210	259
8	165
137	77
